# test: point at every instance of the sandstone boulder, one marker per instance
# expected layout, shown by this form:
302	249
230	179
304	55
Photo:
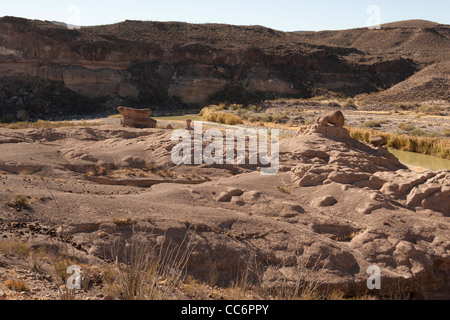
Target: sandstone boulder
137	118
335	118
224	197
377	141
326	201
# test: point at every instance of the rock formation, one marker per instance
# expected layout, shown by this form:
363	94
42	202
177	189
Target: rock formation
377	141
337	207
335	118
159	63
137	118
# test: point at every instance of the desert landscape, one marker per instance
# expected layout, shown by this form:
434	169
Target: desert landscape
87	177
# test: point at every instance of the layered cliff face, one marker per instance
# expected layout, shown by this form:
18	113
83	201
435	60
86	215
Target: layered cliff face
151	64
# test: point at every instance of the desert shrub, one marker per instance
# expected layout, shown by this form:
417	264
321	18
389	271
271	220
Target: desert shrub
405	107
124	222
267	117
17	248
19	202
140	266
361	135
424	144
211	114
236	107
280	118
254	118
447	132
349	103
431	110
60	266
17	285
418	133
371	124
406	127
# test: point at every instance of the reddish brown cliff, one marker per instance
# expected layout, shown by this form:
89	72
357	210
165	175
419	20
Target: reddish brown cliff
158	64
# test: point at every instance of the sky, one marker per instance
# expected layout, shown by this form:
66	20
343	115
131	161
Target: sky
284	15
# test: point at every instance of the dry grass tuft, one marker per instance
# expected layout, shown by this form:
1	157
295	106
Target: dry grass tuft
148	271
19	202
439	147
211	114
17	285
17	248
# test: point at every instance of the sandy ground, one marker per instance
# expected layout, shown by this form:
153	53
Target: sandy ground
335	207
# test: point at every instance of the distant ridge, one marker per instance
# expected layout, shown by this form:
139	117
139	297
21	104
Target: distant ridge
425	42
68	26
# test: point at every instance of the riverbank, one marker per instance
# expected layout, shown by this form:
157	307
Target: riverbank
403	130
438	147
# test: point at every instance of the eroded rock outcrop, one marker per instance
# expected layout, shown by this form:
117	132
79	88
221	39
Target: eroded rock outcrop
337	207
335	118
327	155
137	118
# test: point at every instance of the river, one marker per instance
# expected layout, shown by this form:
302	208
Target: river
427	162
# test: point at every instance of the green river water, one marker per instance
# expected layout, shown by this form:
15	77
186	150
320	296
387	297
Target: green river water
421	160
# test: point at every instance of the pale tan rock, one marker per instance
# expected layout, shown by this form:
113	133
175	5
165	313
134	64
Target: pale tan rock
137	118
326	201
224	197
335	118
377	141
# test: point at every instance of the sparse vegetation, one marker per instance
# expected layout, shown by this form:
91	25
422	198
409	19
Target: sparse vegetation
19	202
15	247
447	132
141	267
405	107
439	147
211	114
60	268
47	124
17	285
431	110
371	124
406	126
125	222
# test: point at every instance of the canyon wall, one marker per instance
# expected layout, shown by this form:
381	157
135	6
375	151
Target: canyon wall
144	64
